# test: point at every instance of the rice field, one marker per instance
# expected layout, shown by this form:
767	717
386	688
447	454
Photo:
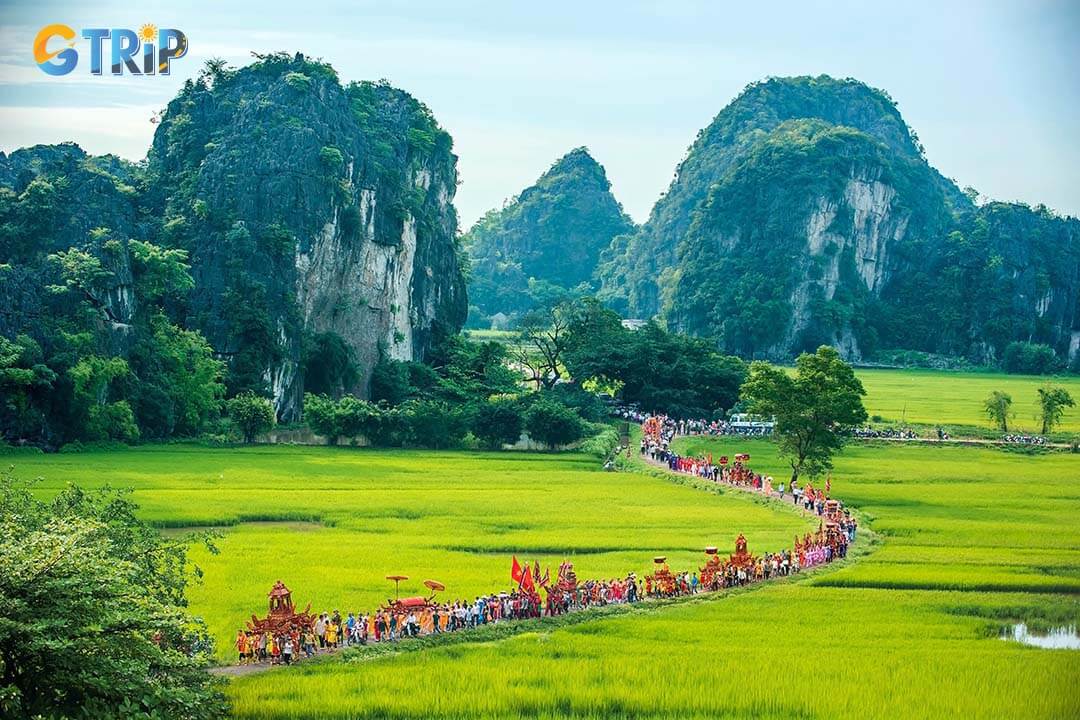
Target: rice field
965	540
931	397
334	522
970	538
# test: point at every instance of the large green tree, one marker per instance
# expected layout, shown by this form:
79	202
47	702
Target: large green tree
93	620
553	424
661	371
813	408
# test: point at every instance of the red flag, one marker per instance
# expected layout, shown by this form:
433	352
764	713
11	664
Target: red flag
546	579
536	570
527	583
828	483
515	571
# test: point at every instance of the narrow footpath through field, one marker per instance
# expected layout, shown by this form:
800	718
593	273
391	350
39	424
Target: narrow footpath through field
810	561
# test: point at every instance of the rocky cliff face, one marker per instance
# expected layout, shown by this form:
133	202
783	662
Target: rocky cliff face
309	207
806	214
551	234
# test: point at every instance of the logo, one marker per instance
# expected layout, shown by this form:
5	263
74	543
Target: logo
148	51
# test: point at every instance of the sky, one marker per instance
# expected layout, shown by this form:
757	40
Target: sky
991	88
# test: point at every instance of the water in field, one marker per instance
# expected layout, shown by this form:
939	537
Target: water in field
1063	638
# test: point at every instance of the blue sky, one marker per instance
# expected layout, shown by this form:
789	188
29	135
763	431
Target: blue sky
992	88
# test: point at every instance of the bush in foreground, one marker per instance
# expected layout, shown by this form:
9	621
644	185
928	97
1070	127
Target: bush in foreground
497	422
92	618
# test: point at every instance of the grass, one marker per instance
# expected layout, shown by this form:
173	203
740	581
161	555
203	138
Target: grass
972	538
931	397
334	522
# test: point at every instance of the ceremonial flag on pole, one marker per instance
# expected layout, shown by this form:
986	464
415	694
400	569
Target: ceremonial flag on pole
828	483
527	582
515	571
547	578
536	570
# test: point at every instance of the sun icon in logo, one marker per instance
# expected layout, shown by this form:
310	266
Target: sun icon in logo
148	33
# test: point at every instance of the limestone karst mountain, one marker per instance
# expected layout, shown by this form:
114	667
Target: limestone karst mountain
314	214
547	240
806	213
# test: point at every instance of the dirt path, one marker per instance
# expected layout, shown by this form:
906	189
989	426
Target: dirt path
234	671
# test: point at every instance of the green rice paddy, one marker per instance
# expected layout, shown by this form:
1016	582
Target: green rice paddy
933	397
334	522
970	538
965	540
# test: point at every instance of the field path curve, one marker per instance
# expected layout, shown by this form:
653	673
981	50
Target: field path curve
512	628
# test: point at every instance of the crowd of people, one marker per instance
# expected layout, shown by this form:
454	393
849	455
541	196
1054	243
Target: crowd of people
1014	439
870	433
704	427
658	433
330	631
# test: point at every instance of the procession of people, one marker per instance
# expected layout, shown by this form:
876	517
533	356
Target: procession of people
295	636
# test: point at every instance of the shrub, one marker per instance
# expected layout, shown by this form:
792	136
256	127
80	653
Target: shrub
251	413
586	404
332	158
497	422
553	424
1029	358
348	417
390	382
603	444
434	424
298	81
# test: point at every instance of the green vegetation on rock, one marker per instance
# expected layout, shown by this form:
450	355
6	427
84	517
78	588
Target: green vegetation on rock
546	243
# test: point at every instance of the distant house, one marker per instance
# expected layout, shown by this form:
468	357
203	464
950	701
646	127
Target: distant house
500	321
634	323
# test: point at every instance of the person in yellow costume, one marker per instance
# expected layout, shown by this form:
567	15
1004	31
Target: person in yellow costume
331	634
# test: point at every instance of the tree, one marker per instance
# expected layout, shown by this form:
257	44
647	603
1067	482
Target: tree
159	272
553	424
661	371
998	407
92	612
497	422
1052	404
328	364
252	414
93	380
543	335
390	382
182	364
23	377
348	417
1028	358
812	409
434	424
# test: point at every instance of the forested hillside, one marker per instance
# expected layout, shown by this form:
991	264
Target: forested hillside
806	213
285	232
546	242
